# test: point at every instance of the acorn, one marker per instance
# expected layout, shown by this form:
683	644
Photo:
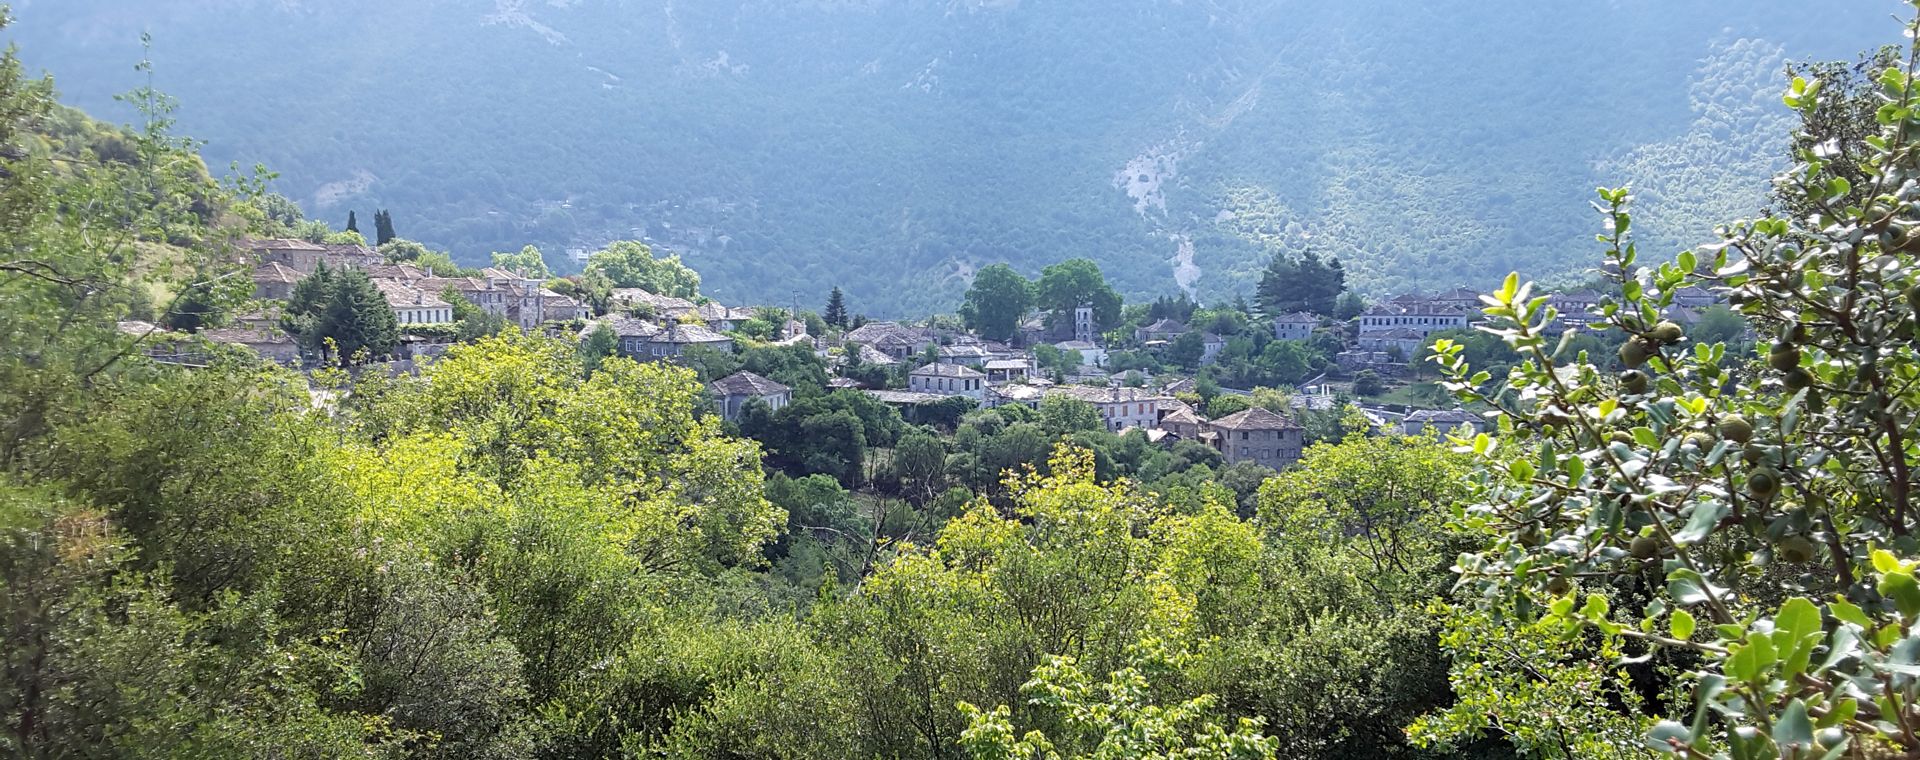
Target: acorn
1667	332
1635	381
1755	455
1796	549
1798	333
1798	379
1621	437
1530	536
1699	440
1784	357
1634	353
1736	428
1559	586
1644	547
1763	483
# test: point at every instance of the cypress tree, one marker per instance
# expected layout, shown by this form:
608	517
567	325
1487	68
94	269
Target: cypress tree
836	313
353	224
383	227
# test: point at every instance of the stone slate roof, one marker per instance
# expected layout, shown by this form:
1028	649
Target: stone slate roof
1297	318
280	244
950	370
689	333
1257	418
660	303
1106	394
402	295
906	397
870	355
1168	325
1444	416
1183	416
744	383
874	332
274	271
625	327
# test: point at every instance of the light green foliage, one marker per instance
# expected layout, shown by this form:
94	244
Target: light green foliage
312	231
1383	495
1225	404
1524	681
403	251
349	237
1078	569
631	264
1747	521
527	262
1115	720
996	302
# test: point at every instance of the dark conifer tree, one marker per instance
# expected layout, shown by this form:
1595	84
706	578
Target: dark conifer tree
1304	284
383	227
836	313
353	224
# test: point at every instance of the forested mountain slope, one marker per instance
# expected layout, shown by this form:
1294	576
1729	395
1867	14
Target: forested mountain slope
893	146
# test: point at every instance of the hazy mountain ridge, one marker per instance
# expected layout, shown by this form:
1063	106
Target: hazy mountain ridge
894	146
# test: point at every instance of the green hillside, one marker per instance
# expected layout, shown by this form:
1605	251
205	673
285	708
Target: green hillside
893	147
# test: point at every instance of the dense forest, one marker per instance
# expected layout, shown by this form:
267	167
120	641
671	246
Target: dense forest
893	147
1680	548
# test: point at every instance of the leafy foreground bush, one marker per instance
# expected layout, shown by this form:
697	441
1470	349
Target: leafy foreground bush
1725	542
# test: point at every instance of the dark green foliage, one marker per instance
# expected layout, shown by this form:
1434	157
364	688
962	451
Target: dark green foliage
474	321
827	434
1071	284
1413	149
383	227
194	310
340	314
796	366
1064	416
836	313
996	302
599	344
353	223
1303	283
1368	383
1187	350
